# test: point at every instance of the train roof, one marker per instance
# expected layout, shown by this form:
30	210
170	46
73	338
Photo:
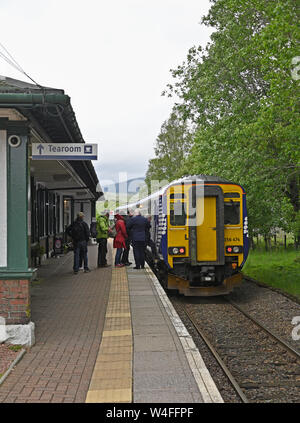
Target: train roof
206	178
191	178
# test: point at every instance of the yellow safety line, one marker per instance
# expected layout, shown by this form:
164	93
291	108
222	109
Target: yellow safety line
112	376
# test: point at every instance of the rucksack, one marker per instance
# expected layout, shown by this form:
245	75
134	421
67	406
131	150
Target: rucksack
113	232
76	231
93	229
69	230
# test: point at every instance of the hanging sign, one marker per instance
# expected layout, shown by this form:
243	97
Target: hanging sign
59	151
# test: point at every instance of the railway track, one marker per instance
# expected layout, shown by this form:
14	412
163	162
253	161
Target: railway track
258	363
217	357
260	366
262	326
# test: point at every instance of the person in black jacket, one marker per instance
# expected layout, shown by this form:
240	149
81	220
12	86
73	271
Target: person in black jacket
137	226
80	234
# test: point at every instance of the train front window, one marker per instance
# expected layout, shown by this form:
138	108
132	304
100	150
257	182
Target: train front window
231	213
231	195
177	213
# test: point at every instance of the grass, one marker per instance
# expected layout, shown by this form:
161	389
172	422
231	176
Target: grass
279	269
15	347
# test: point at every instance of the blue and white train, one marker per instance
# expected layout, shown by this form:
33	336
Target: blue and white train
199	225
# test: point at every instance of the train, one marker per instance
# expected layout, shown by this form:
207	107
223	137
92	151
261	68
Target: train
199	227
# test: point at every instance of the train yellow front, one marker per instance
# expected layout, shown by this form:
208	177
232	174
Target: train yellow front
199	226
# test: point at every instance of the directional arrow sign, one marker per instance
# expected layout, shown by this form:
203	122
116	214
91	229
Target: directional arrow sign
59	151
40	148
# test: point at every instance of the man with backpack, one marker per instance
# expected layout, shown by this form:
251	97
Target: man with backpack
80	234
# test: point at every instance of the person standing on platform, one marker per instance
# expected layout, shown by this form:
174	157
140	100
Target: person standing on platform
125	254
80	234
137	226
120	238
102	235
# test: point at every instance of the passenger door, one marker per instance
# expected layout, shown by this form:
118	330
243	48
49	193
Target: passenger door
207	230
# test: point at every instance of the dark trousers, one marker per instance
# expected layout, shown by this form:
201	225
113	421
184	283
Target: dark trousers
102	251
80	259
125	254
80	250
118	256
139	253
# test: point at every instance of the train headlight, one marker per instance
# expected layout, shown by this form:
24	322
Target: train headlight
176	251
234	249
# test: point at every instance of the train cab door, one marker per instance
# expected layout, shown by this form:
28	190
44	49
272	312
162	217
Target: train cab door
207	229
207	233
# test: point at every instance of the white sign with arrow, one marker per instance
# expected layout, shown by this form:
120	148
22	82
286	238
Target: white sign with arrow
59	151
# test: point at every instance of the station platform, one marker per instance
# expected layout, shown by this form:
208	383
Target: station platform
108	336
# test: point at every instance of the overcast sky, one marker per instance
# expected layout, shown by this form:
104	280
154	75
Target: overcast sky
113	58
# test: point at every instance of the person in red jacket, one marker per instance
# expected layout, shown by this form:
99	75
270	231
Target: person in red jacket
119	241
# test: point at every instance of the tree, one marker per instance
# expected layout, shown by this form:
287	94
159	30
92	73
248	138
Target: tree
173	145
240	94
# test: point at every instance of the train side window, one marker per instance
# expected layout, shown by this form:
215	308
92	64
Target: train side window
231	213
177	213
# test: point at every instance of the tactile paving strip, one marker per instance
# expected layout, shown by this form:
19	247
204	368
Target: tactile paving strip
112	376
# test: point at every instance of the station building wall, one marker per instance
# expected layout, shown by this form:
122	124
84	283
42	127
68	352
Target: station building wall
50	213
32	214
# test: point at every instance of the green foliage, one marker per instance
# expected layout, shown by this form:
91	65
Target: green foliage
280	269
240	95
15	347
172	147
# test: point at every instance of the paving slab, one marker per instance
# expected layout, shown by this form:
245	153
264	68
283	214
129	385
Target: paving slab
151	380
156	361
152	342
158	329
166	396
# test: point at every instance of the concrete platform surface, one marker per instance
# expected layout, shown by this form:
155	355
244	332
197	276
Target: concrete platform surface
108	336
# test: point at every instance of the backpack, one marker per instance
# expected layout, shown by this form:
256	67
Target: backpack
76	231
69	230
93	229
113	232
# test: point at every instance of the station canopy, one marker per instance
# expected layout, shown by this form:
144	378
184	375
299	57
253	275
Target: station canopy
51	119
